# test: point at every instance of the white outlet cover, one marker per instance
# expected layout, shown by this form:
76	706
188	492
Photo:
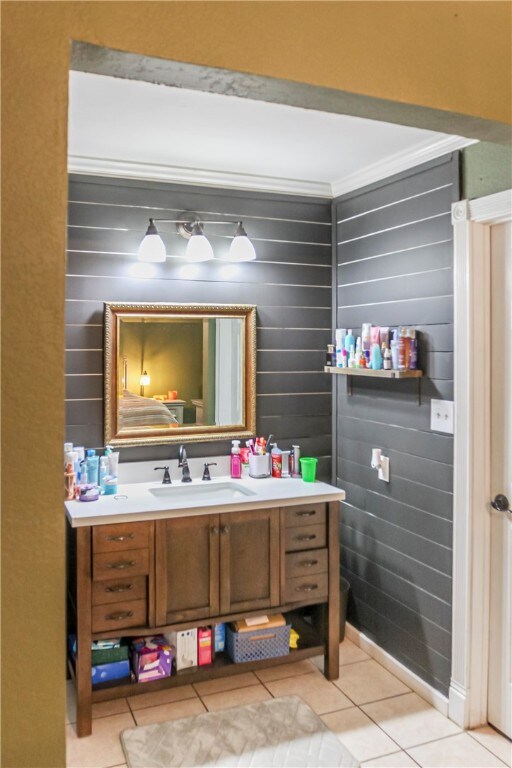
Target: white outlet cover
441	416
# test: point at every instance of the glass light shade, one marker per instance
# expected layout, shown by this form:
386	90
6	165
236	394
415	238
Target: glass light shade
145	379
152	247
198	249
241	249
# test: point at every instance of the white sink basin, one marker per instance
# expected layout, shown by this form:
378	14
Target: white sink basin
210	492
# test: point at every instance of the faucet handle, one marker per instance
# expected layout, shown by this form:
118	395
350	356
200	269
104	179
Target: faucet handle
206	473
167	478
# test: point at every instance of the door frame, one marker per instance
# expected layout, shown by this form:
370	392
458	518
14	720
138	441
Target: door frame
472	219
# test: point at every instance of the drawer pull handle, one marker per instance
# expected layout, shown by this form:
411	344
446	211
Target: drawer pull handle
306	513
224	529
308	563
308	537
261	637
121	566
124	537
306	588
215	530
119	616
119	588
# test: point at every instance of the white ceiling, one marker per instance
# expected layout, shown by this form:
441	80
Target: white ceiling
137	129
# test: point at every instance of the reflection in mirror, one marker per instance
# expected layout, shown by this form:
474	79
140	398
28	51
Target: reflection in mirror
178	371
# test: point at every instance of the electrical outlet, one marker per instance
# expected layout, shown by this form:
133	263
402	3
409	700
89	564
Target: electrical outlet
441	416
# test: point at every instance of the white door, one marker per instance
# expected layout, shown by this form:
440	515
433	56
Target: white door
500	636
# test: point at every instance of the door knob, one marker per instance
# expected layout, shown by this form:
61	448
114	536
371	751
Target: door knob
500	502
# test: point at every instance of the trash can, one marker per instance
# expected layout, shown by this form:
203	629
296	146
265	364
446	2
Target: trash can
344	590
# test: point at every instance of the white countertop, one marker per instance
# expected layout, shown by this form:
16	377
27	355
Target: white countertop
134	501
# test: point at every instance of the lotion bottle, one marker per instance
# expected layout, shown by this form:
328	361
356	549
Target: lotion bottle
236	460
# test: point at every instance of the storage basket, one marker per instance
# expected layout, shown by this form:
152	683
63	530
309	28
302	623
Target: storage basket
258	644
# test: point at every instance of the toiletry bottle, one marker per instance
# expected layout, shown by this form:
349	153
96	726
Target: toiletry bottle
295	469
349	340
376	358
103	472
340	346
352	357
236	461
277	461
403	348
413	341
331	355
366	335
358	353
394	351
387	360
92	466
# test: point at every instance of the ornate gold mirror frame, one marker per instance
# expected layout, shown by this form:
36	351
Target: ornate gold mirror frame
123	437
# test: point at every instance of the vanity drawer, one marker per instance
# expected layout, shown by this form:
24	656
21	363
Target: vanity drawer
127	613
306	563
305	537
305	514
313	586
110	565
124	589
121	536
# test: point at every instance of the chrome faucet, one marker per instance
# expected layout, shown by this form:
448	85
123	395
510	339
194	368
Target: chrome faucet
183	463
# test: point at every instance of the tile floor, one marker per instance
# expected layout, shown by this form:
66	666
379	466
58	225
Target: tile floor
379	719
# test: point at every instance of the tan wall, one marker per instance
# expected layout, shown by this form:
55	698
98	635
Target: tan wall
453	56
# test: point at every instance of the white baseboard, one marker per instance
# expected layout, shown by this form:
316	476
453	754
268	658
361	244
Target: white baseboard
415	683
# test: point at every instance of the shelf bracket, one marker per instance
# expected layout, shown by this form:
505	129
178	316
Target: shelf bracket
419	391
349	386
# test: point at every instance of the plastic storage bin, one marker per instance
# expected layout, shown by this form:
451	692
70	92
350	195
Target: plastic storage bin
259	644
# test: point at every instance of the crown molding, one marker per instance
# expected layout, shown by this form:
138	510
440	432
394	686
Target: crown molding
401	161
129	169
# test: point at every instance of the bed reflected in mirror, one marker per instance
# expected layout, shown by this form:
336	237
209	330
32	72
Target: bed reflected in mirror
178	372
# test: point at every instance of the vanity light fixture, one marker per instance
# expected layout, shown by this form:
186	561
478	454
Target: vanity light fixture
190	226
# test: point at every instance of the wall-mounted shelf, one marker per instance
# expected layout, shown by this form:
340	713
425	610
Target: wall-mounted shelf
382	374
369	373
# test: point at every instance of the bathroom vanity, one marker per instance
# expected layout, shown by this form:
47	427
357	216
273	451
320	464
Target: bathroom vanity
155	559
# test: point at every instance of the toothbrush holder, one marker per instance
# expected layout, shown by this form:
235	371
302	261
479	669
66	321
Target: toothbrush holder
259	465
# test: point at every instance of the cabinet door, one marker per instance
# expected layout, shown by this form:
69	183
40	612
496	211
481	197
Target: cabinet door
249	560
187	569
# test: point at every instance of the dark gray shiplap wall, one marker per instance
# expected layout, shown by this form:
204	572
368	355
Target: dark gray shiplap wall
290	282
394	261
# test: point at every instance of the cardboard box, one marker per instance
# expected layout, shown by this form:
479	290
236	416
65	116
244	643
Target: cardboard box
151	658
219	638
185	643
116	670
204	645
262	622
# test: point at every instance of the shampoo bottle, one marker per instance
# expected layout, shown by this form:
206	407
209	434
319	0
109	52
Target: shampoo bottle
349	340
376	357
92	466
236	460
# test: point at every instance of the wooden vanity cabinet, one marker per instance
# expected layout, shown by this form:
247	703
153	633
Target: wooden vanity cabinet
211	565
143	578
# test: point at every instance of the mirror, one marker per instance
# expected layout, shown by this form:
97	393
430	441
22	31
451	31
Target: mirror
177	373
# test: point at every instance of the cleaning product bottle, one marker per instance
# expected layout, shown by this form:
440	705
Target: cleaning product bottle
92	466
103	472
236	461
276	456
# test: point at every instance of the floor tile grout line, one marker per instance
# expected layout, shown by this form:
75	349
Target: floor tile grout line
375	701
451	736
380	728
470	733
163	703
